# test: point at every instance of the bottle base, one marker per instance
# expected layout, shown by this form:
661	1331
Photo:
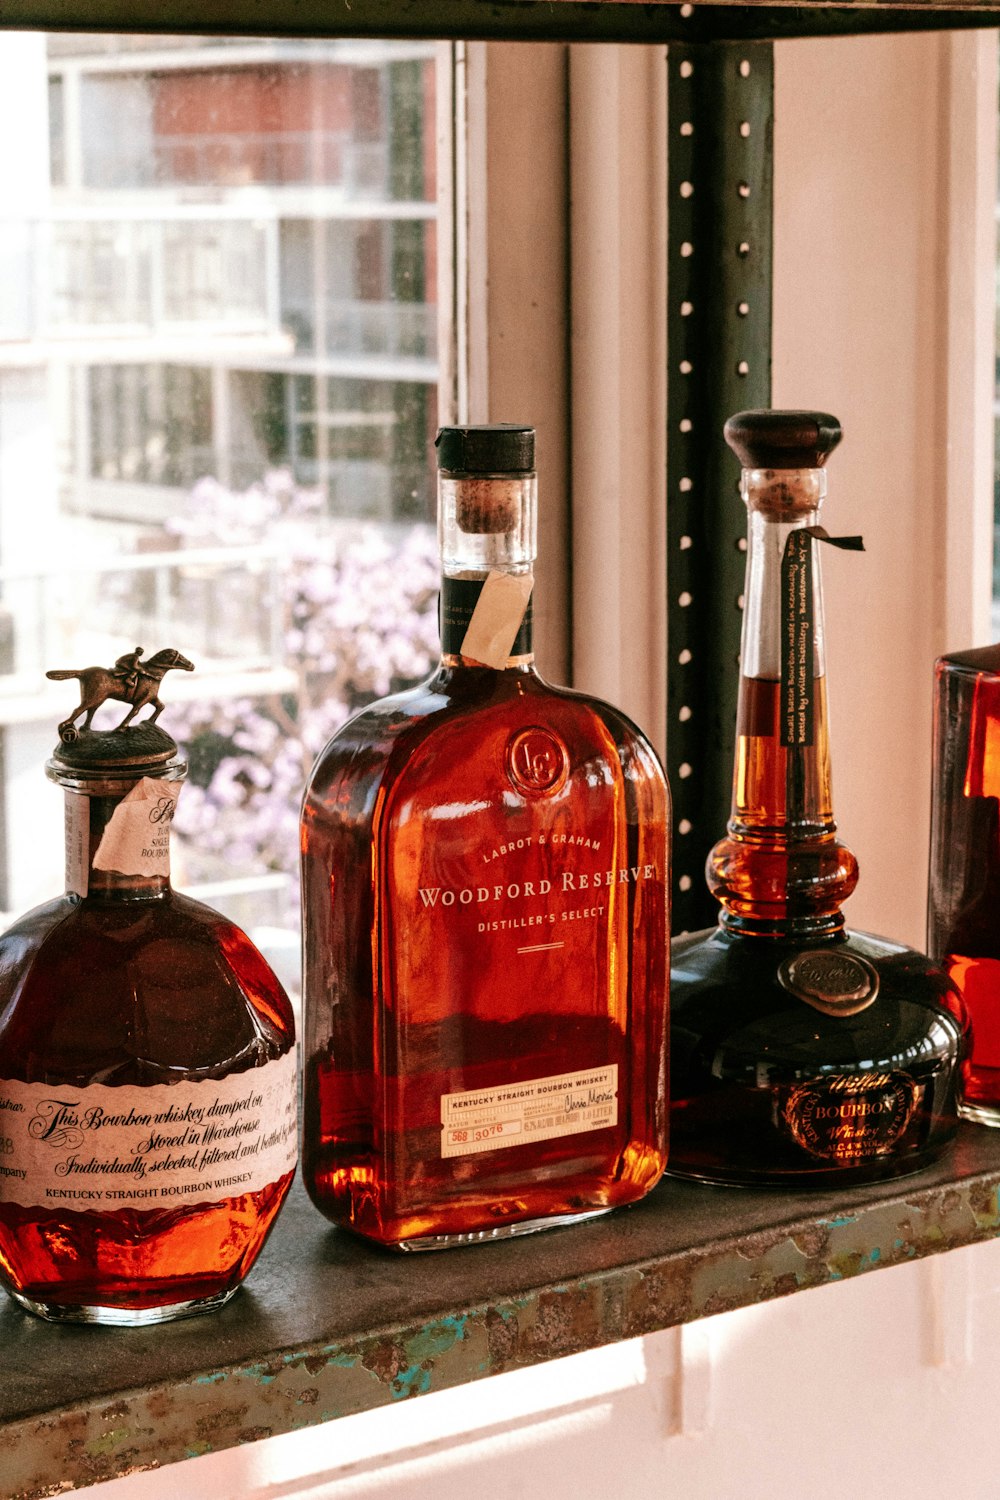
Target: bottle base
809	1182
121	1317
499	1232
982	1114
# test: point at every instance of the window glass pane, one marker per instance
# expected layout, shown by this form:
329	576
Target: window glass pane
218	391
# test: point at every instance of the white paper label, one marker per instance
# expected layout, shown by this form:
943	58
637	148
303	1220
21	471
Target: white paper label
108	1148
517	1113
497	618
136	840
77	826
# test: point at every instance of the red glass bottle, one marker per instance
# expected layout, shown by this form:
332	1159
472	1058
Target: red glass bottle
963	917
147	1066
484	865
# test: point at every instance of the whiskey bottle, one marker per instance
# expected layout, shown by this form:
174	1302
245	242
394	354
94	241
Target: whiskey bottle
963	932
147	1061
801	1052
484	863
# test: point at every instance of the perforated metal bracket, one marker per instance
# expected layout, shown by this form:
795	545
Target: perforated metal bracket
720	120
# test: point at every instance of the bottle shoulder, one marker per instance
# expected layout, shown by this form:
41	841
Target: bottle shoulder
729	1000
136	991
462	715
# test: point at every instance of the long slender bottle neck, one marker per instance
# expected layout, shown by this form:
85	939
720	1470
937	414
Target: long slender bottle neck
780	871
486	529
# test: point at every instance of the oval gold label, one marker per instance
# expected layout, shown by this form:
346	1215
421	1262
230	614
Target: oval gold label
851	1118
830	980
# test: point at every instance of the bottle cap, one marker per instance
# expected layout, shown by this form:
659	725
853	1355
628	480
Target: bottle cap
132	749
783	439
493	448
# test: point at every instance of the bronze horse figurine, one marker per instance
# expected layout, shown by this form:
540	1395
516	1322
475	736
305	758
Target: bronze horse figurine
127	682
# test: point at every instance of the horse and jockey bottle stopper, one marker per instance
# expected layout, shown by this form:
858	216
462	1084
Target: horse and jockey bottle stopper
126	682
147	1051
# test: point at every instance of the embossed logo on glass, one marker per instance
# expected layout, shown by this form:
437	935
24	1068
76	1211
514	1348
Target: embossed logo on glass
537	762
831	981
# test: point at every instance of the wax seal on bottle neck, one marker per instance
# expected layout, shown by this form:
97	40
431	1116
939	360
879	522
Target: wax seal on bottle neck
130	749
783	439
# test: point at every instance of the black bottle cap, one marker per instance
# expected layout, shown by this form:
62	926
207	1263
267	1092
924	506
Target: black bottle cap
494	448
782	439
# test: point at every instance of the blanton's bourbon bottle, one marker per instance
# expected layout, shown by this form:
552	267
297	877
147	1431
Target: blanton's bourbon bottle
485	906
147	1061
801	1052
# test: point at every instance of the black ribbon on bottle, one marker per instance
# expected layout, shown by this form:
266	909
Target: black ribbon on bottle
798	626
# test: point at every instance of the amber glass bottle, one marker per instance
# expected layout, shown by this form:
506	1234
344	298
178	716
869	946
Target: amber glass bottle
484	865
802	1052
147	1066
963	909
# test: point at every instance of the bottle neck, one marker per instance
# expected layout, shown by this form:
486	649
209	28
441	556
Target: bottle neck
780	870
486	528
118	838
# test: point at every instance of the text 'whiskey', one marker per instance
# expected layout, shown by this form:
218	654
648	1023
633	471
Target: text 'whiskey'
147	1062
485	885
801	1051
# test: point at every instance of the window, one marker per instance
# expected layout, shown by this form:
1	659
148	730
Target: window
219	343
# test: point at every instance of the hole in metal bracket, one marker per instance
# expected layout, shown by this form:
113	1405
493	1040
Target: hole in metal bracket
684	657
745	68
687	68
743	368
742	308
687	249
744	129
685	424
687	308
688	129
684	826
685	485
686	189
684	599
685	367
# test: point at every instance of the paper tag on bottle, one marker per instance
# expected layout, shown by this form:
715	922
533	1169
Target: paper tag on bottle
77	828
131	1147
516	1114
497	618
136	840
796	705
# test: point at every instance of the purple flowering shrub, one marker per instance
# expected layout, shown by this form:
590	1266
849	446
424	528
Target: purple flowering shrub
358	605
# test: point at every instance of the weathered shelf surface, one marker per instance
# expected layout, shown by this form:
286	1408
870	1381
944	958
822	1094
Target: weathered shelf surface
326	1326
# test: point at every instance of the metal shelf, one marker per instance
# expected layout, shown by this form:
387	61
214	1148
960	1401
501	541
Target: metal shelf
327	1326
511	20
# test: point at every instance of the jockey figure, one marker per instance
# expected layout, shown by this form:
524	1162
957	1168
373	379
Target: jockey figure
128	667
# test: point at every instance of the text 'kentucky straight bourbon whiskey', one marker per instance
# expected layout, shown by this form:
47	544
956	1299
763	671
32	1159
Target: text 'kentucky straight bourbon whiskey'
801	1052
485	918
147	1057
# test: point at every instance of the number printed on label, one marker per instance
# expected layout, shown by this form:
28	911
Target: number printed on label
537	1110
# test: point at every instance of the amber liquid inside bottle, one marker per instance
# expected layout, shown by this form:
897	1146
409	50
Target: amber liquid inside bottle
133	986
485	906
964	896
800	1051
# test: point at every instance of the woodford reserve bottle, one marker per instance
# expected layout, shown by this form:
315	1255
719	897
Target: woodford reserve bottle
801	1052
147	1055
485	904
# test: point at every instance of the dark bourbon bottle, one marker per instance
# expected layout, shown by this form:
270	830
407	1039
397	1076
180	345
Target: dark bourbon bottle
801	1052
963	927
484	865
147	1063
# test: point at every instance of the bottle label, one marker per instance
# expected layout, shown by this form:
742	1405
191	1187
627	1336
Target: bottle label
136	840
517	1114
847	1118
487	620
147	1147
77	827
798	625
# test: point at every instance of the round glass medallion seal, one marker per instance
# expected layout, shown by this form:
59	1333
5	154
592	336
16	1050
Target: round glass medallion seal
537	761
831	981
